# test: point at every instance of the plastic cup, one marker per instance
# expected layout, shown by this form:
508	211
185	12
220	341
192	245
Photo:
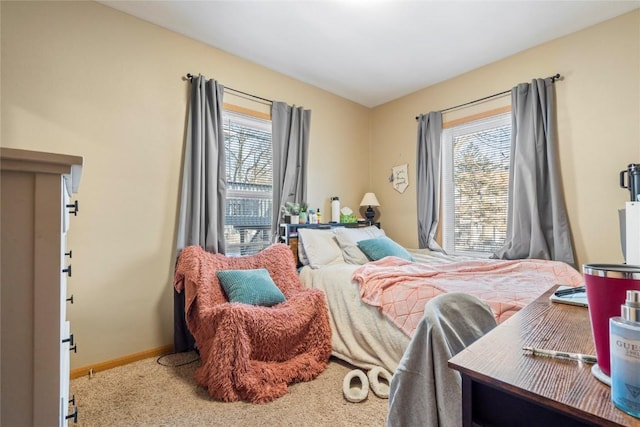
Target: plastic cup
606	286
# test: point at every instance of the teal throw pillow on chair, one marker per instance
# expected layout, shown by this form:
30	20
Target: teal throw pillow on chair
380	247
253	287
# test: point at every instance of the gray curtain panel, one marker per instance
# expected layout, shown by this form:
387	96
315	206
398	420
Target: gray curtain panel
290	139
203	193
428	178
537	223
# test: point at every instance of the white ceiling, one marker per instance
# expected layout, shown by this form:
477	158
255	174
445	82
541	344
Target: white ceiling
371	51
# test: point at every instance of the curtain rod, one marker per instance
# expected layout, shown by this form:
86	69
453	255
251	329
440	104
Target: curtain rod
190	77
553	80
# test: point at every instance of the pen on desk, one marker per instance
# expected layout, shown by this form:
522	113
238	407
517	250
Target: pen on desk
586	358
570	291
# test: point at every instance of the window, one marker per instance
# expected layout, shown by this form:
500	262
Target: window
249	172
475	184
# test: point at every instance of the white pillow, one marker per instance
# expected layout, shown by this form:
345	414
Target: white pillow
348	239
320	247
302	257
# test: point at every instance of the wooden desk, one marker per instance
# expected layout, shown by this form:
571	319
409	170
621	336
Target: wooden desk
504	386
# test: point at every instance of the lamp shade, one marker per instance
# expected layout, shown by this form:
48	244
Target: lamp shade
369	199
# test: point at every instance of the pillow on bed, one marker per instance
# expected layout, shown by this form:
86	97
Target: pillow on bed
302	256
381	247
320	247
348	239
253	287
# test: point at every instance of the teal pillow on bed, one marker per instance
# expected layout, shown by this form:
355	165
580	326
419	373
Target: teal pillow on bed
381	247
253	287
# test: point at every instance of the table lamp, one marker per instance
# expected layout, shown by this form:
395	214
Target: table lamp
369	200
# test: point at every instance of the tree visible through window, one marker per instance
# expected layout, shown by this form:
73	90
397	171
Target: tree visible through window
475	185
249	173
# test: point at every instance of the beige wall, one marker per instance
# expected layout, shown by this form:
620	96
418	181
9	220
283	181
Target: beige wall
598	124
84	79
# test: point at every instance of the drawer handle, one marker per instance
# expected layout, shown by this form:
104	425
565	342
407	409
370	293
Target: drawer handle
72	401
67	270
69	340
73	346
70	299
69	254
74	415
73	208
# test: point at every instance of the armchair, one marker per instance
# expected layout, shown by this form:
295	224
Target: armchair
252	352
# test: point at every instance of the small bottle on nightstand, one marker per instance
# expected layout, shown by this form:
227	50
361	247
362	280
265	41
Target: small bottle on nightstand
625	356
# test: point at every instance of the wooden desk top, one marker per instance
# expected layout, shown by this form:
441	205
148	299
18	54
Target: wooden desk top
497	359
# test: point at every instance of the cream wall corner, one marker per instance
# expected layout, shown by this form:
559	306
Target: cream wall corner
598	103
84	79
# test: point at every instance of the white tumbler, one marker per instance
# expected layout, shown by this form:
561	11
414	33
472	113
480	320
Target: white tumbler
335	209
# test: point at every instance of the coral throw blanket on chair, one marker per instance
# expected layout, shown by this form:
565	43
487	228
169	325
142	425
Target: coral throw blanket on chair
252	352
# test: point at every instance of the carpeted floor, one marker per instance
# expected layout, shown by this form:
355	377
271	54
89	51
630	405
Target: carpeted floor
148	394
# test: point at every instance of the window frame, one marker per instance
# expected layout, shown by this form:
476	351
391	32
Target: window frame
483	121
261	122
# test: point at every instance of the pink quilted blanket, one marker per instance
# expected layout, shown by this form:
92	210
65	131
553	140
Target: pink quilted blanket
401	288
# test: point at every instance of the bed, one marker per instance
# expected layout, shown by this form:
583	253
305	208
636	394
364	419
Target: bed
376	301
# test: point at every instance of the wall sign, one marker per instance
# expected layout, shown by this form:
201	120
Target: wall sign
400	177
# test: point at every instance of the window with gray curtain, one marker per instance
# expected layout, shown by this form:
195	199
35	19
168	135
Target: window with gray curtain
249	174
537	224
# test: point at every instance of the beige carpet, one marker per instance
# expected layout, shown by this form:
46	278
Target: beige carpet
146	393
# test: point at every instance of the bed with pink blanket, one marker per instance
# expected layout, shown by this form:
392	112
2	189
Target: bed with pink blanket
375	306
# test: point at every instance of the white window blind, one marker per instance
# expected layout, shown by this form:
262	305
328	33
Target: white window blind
475	183
249	173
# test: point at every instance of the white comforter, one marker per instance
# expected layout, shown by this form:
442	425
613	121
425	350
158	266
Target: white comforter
361	334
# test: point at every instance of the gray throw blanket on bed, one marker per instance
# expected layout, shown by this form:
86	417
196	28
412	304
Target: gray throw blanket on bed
424	390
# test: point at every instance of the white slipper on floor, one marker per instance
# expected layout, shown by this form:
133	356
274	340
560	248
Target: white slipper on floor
380	381
355	386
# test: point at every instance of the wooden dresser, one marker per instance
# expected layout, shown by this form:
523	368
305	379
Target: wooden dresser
35	339
502	385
